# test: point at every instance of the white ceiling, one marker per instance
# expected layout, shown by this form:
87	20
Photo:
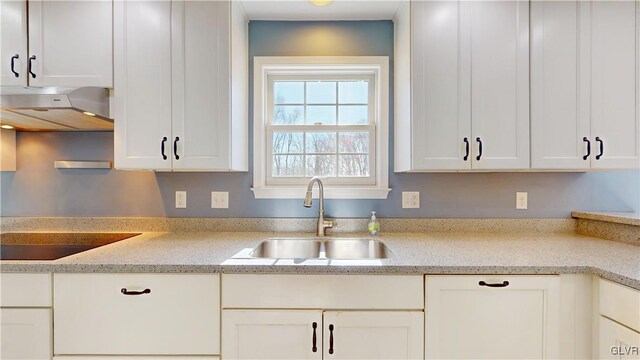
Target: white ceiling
303	10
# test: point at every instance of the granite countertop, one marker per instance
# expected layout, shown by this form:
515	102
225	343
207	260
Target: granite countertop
620	217
412	253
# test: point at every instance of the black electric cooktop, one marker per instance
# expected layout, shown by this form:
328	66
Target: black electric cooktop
52	246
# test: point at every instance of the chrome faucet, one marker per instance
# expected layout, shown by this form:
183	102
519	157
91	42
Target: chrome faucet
322	223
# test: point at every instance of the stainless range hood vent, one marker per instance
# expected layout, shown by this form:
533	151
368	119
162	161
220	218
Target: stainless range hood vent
55	108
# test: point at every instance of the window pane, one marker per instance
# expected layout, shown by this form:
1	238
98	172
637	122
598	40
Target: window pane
354	165
354	142
320	114
321	165
288	165
287	142
288	115
353	115
288	92
321	92
353	92
321	142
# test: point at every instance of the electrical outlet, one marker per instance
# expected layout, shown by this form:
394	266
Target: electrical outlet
410	200
219	200
181	199
521	201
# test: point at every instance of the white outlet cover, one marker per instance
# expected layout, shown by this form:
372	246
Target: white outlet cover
410	199
521	201
219	200
181	199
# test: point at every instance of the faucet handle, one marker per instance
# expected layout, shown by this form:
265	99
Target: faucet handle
330	223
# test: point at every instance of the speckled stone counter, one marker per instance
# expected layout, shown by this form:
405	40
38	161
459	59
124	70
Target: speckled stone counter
412	253
618	226
620	217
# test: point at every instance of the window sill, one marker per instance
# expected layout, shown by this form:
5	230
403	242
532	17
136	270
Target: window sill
278	192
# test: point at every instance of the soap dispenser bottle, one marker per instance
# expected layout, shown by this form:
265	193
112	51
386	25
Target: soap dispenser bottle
374	225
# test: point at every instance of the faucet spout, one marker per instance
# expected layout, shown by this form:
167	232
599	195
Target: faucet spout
322	223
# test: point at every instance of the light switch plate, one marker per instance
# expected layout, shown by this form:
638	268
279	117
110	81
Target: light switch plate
181	199
521	201
219	200
410	199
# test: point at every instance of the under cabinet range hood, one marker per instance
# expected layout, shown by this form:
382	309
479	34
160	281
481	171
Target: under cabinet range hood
55	108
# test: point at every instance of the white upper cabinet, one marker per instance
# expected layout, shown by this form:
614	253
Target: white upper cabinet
70	43
181	86
142	93
440	75
584	79
500	84
615	122
13	42
468	86
559	129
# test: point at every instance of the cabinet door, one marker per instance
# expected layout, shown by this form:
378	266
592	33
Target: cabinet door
373	335
500	84
72	43
25	333
201	85
13	42
142	94
467	320
440	61
271	334
557	125
617	341
615	125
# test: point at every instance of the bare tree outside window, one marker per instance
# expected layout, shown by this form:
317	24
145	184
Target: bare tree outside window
321	128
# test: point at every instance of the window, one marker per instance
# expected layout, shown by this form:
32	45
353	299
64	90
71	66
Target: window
324	117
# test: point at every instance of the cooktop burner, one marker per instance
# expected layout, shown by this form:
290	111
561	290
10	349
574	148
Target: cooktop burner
52	246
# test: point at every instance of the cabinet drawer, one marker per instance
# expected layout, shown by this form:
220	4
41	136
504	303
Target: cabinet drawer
159	357
173	314
25	333
25	290
323	291
620	303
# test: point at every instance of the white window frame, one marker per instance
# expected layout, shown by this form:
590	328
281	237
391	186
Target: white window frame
374	187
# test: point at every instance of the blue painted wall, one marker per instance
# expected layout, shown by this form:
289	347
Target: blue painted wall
37	189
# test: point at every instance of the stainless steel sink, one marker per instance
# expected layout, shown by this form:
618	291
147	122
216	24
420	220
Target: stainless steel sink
356	249
305	248
287	249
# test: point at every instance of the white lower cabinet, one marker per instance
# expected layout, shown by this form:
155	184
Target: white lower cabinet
617	341
25	333
25	316
373	335
619	321
292	317
272	334
314	334
137	314
159	357
492	317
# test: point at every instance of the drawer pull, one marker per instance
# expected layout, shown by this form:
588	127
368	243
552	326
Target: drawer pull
497	285
314	348
127	292
466	147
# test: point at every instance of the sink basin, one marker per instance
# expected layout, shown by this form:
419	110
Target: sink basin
316	248
356	249
287	249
